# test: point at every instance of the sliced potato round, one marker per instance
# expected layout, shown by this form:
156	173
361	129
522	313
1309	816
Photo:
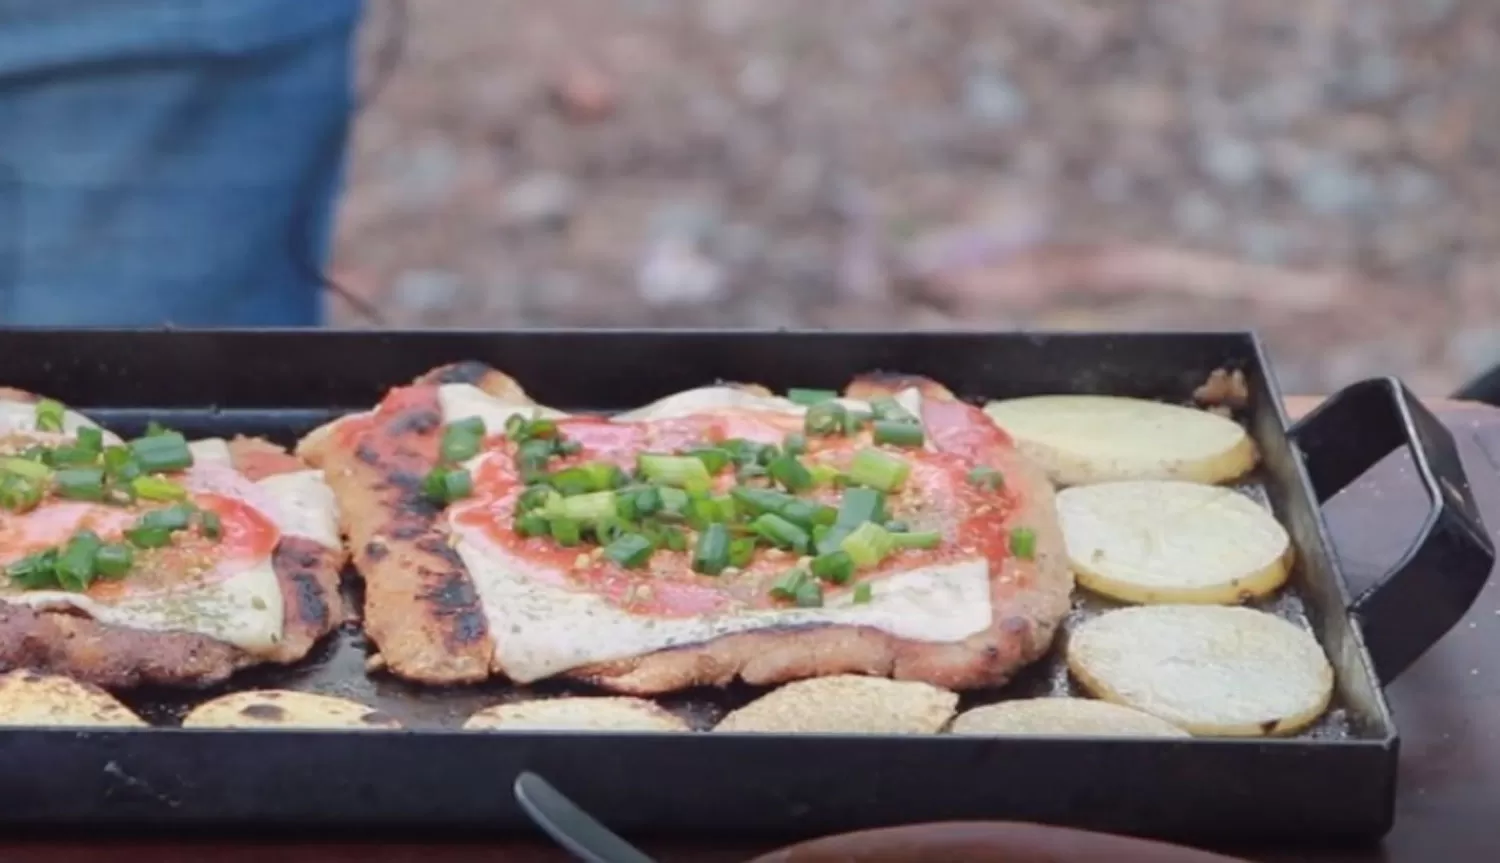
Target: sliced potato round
1162	541
32	698
278	708
1063	716
846	704
580	714
1213	670
1079	440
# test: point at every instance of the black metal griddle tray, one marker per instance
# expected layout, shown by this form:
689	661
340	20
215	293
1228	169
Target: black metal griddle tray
1335	783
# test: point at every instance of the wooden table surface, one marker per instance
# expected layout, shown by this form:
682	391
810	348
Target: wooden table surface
1447	708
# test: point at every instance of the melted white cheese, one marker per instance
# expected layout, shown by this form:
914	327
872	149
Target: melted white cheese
304	506
18	416
211	450
458	401
245	610
541	629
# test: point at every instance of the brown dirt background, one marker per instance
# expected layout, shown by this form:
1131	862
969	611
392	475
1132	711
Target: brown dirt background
1324	171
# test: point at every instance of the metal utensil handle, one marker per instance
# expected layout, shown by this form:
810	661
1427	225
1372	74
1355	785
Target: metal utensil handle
569	826
1428	592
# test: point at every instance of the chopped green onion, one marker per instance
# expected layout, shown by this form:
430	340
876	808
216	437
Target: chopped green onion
446	485
854	421
898	433
588	477
530	524
873	468
595	507
113	560
648	501
678	471
711	555
860	505
1023	543
862	593
566	531
674	501
630	550
809	594
71	455
868	545
536	497
887	408
90	438
162	453
713	458
750	472
742	551
80	483
825	474
148	537
49	415
532	457
808	397
75	564
210	525
25	468
836	567
794	444
919	539
791	473
825	419
19	494
568	447
34	571
609	530
780	532
541	427
120	464
516	427
462	439
785	586
673	538
987	478
175	517
154	429
896	525
799	512
157	488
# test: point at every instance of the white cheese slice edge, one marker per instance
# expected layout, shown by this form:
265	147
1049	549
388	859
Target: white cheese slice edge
541	629
246	610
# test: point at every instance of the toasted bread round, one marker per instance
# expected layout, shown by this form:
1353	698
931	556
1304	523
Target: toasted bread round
1060	716
1162	541
846	704
1080	440
30	698
580	714
1213	670
276	708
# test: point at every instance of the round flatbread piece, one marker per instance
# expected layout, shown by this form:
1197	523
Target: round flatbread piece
846	704
1212	670
30	698
579	714
1060	716
276	708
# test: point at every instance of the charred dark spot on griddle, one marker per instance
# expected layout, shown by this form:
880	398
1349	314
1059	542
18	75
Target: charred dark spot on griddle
435	545
376	551
1269	726
31	677
375	717
270	712
312	606
418	421
367	454
466	372
452	596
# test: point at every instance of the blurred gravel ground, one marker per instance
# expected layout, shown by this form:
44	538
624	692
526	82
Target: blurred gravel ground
1327	171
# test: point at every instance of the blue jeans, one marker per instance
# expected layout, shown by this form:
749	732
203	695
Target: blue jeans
170	161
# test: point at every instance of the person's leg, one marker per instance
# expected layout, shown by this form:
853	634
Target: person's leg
170	161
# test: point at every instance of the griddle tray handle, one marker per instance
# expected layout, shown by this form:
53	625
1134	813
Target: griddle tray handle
1428	592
